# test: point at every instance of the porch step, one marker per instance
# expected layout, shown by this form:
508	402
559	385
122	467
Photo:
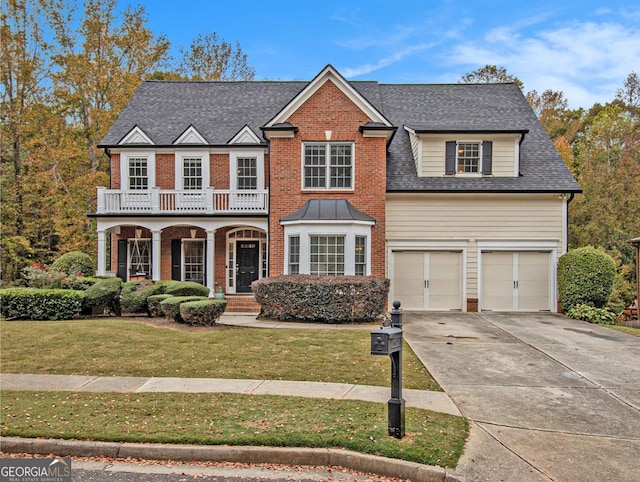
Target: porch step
241	304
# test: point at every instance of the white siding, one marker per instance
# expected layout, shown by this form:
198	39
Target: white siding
473	218
505	152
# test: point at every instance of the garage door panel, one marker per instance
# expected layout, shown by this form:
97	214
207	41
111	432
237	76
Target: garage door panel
408	278
516	280
444	281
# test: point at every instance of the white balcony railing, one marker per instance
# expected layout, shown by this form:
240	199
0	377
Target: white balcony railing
165	201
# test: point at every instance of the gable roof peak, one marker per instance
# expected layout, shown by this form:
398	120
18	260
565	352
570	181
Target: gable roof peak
329	74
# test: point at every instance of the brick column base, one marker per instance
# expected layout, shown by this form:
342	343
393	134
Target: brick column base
472	305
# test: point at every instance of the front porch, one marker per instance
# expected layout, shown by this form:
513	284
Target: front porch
224	254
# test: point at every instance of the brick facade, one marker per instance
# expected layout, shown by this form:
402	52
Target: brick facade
327	110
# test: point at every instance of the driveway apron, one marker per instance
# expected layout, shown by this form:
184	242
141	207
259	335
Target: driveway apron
549	398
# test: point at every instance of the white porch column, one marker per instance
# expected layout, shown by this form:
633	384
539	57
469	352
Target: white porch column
211	255
155	254
102	253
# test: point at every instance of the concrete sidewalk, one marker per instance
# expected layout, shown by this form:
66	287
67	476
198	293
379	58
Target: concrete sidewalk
435	401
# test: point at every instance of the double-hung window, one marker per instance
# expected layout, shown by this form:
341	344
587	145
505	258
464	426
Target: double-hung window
468	158
247	173
138	173
328	165
326	255
192	173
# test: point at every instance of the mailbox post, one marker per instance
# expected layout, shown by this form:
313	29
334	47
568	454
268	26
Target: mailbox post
388	341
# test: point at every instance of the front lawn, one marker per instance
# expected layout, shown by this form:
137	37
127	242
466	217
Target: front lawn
231	419
118	347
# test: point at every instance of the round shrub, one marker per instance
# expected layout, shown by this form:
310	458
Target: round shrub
202	313
585	277
73	263
105	292
153	303
171	306
134	295
41	304
185	288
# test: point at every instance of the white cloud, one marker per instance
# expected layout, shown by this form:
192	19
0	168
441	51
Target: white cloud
350	72
585	60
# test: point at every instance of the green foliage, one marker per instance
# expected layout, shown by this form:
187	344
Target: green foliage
185	288
105	292
40	304
134	295
585	276
591	314
330	299
153	303
171	306
74	263
202	313
36	276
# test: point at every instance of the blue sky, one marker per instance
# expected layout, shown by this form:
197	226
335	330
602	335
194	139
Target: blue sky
583	48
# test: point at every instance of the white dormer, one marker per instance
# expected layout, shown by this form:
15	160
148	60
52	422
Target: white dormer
245	136
136	136
191	136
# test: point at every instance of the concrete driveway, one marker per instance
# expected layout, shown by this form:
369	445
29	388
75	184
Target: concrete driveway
549	398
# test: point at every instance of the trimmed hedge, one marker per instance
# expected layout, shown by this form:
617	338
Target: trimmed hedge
185	288
41	304
153	303
585	277
134	295
591	314
105	292
328	299
171	306
203	313
73	263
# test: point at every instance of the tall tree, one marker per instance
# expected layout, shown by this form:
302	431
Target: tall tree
23	67
490	74
630	92
212	58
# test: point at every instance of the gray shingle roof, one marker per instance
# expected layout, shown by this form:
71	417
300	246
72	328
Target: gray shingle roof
218	110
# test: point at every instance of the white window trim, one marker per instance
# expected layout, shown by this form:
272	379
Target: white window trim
469	174
349	231
328	145
233	167
124	167
179	167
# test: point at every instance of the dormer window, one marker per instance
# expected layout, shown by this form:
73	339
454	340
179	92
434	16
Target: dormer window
328	165
468	158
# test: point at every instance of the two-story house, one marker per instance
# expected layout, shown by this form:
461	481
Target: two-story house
454	192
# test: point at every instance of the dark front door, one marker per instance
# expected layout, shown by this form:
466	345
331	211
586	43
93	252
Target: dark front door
247	266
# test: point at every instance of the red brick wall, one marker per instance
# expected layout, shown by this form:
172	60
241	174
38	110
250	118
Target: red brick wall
328	109
115	171
165	171
219	171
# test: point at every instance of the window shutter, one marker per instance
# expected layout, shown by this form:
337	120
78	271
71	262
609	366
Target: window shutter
487	154
450	158
121	271
176	259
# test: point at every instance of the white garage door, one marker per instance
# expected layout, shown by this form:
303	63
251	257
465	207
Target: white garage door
427	280
516	281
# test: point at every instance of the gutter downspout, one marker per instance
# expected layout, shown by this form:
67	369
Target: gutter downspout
571	196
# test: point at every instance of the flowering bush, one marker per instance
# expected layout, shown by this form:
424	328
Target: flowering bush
37	276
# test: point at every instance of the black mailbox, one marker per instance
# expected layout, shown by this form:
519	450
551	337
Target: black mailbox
385	341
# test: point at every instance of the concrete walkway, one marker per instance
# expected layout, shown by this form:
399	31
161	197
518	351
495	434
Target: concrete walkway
550	398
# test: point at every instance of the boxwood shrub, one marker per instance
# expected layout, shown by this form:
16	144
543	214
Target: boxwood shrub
585	277
41	304
185	288
328	299
134	295
203	313
153	303
73	263
171	306
105	292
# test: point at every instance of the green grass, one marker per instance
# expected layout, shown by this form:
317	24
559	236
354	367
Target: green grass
625	329
230	419
116	347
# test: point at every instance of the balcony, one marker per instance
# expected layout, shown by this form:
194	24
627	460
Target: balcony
165	201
